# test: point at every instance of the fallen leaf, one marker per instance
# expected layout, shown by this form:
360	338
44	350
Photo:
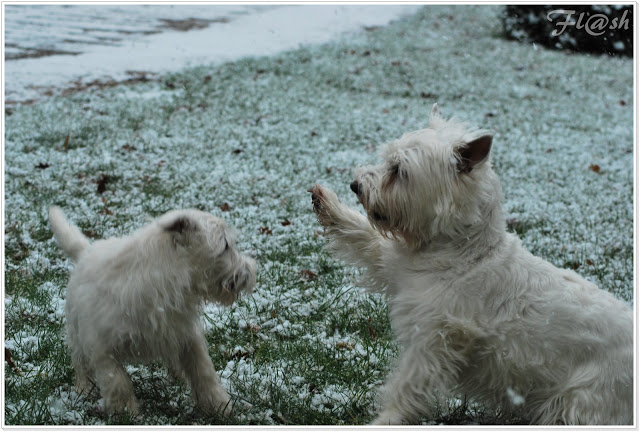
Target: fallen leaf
91	234
66	142
102	183
225	207
9	360
372	332
308	275
595	168
240	354
286	222
265	230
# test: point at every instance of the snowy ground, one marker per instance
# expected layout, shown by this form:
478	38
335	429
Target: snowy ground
244	140
118	42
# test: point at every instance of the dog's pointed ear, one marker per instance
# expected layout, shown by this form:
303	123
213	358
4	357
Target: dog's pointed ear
435	112
474	152
179	228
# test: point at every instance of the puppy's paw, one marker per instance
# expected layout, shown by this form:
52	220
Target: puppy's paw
119	406
324	202
83	385
228	408
388	417
216	401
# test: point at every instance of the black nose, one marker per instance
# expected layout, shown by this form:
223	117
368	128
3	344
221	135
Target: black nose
355	187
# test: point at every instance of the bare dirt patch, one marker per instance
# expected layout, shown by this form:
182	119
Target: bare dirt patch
35	53
190	23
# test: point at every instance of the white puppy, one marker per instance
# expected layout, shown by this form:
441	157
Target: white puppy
138	298
474	312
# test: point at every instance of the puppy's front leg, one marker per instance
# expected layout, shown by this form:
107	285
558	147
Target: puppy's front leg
351	235
205	385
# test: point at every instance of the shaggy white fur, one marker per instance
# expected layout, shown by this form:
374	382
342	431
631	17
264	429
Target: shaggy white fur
474	312
138	298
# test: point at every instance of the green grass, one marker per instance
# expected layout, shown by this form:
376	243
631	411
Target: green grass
245	140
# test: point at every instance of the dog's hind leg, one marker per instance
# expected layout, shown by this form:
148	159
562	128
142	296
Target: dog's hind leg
590	397
115	386
203	379
82	372
420	379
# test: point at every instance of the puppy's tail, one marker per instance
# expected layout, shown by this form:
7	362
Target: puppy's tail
71	240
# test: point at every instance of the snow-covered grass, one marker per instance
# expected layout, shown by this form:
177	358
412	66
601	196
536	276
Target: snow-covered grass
245	140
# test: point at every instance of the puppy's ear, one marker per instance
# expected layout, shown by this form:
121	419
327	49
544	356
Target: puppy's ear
474	152
435	112
180	228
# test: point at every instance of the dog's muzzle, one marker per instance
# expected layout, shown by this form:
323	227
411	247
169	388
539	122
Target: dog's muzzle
245	279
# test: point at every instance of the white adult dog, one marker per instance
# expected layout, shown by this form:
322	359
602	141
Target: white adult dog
474	312
138	298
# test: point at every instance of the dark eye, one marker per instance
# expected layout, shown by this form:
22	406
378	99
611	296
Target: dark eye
379	217
395	173
226	245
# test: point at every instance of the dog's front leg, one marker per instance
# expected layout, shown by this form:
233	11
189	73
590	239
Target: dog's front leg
351	235
205	385
415	383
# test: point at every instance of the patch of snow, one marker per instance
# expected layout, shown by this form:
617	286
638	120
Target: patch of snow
260	31
515	398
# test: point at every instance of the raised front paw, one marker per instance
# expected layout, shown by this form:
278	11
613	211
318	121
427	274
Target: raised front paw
317	197
324	202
